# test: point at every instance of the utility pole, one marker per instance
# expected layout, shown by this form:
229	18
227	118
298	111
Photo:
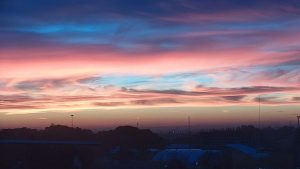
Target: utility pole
189	124
298	118
137	122
72	123
259	109
259	112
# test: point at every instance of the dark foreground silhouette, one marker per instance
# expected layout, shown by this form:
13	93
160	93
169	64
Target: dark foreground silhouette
126	147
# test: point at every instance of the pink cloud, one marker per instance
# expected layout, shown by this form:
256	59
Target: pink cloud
68	63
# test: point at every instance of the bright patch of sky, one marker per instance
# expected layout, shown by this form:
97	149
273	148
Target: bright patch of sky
63	28
173	81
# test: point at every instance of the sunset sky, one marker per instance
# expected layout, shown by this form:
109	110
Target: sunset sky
116	62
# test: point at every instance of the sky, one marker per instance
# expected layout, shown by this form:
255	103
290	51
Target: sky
157	62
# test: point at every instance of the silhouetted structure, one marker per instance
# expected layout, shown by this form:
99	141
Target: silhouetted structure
72	120
126	147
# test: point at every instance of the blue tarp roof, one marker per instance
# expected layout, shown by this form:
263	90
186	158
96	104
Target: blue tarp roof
247	150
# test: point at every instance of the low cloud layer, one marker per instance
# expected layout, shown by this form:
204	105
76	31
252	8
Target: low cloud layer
93	92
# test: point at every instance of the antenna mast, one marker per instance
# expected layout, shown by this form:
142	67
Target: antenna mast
259	109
